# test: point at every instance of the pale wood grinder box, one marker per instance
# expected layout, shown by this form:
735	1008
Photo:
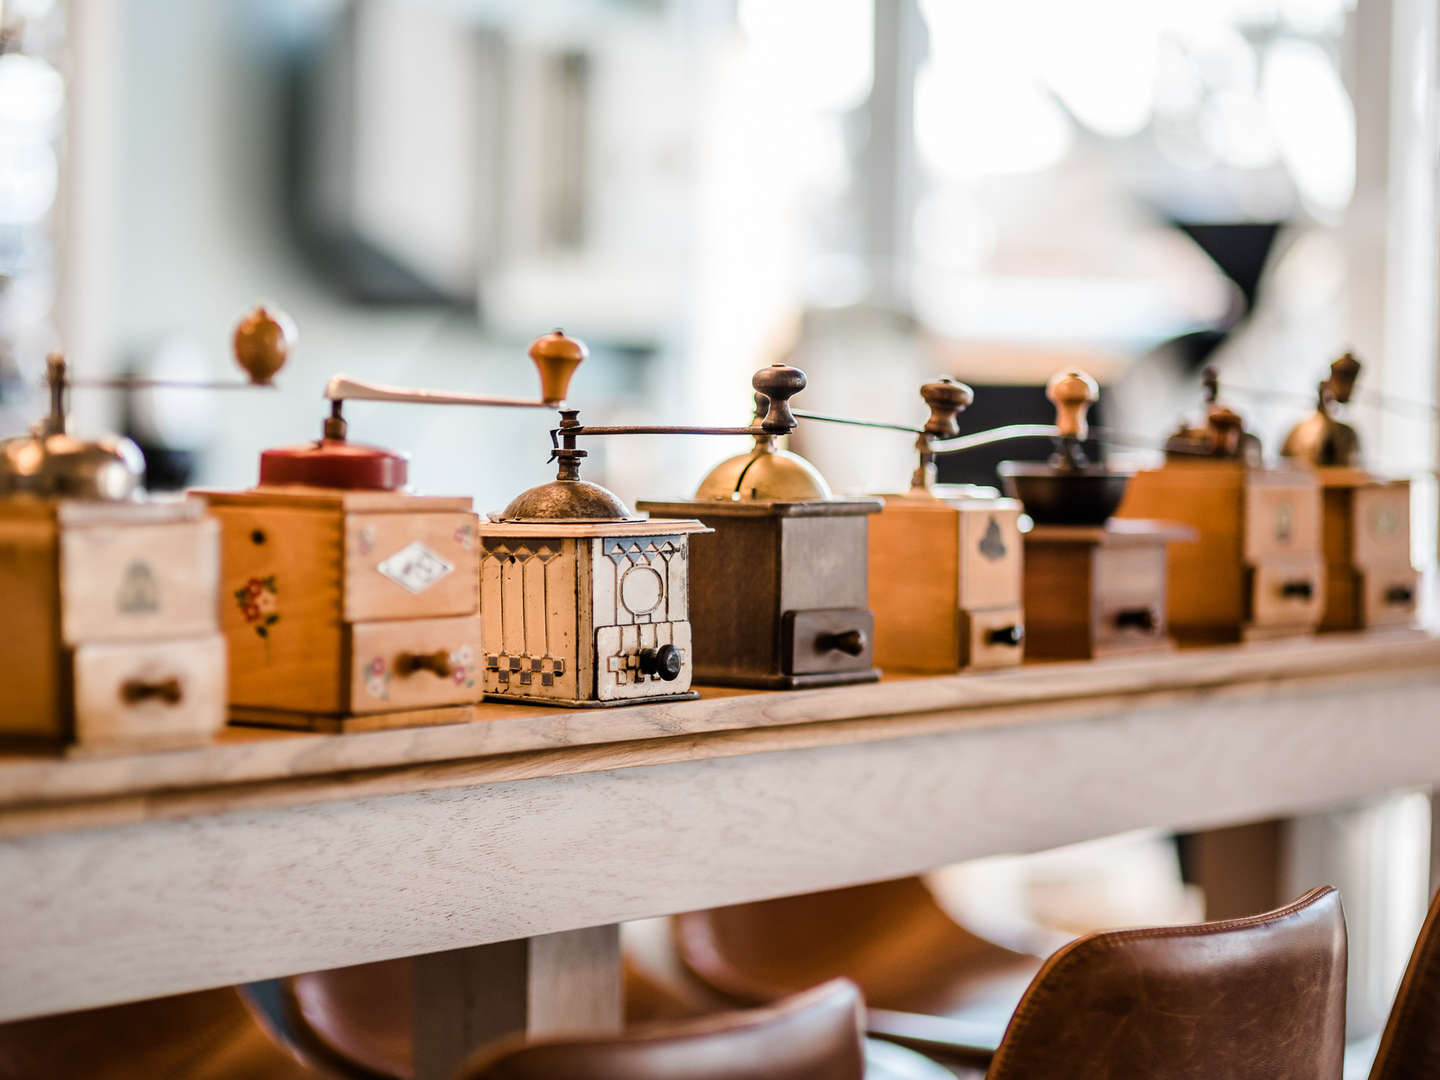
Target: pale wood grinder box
349	609
112	640
1369	579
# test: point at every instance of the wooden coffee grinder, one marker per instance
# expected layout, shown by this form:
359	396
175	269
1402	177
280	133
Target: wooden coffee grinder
1365	519
945	560
111	597
1255	568
1094	586
779	592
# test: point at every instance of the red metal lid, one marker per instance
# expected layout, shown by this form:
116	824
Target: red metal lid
335	463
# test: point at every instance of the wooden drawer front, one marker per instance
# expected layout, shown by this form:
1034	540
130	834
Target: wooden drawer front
139	581
1380	529
1134	620
1287	592
992	638
407	566
991	554
415	664
154	693
1388	597
1281	521
826	639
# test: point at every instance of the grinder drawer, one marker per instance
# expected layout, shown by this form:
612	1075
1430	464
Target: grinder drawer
150	694
414	664
827	639
1287	592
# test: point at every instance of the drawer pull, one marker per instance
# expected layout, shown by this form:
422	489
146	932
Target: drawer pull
134	691
1301	589
1144	619
1398	595
437	662
665	662
1012	635
850	642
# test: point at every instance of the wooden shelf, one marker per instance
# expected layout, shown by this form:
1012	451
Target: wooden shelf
256	768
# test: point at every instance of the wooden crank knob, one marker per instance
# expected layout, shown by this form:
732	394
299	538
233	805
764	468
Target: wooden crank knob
263	341
556	358
779	383
947	399
1072	393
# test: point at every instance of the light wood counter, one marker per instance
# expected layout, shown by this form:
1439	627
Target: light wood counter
271	853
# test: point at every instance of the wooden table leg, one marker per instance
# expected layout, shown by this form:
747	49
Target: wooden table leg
555	984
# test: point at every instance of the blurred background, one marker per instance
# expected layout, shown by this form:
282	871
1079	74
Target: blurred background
874	190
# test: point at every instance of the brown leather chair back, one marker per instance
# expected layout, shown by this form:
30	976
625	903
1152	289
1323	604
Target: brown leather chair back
1261	997
1410	1047
812	1036
890	937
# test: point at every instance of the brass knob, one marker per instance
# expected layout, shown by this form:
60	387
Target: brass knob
437	662
664	661
1072	393
556	358
1224	428
850	642
1013	635
947	399
263	340
779	383
134	691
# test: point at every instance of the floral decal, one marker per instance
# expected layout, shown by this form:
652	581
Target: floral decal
377	678
462	666
259	601
465	536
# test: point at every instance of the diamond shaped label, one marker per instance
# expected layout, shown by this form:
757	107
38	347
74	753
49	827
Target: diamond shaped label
415	567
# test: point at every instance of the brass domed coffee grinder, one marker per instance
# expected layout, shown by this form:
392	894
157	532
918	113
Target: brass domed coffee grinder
1365	520
945	560
1256	568
1094	585
110	595
779	592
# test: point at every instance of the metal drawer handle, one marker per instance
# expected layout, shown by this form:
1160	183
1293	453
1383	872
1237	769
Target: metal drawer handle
850	642
1397	595
1144	619
409	663
1303	589
134	691
1012	635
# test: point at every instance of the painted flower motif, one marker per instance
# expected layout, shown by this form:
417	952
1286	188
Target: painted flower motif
378	687
258	600
465	536
464	655
459	676
377	666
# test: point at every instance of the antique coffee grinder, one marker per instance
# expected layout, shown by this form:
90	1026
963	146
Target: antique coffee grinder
1094	585
945	560
111	596
1365	519
779	592
587	603
1255	569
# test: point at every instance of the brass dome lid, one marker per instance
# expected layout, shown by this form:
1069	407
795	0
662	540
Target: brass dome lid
58	464
568	501
765	473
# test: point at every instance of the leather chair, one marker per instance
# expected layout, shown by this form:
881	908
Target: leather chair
811	1036
1410	1047
892	938
209	1035
1259	997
